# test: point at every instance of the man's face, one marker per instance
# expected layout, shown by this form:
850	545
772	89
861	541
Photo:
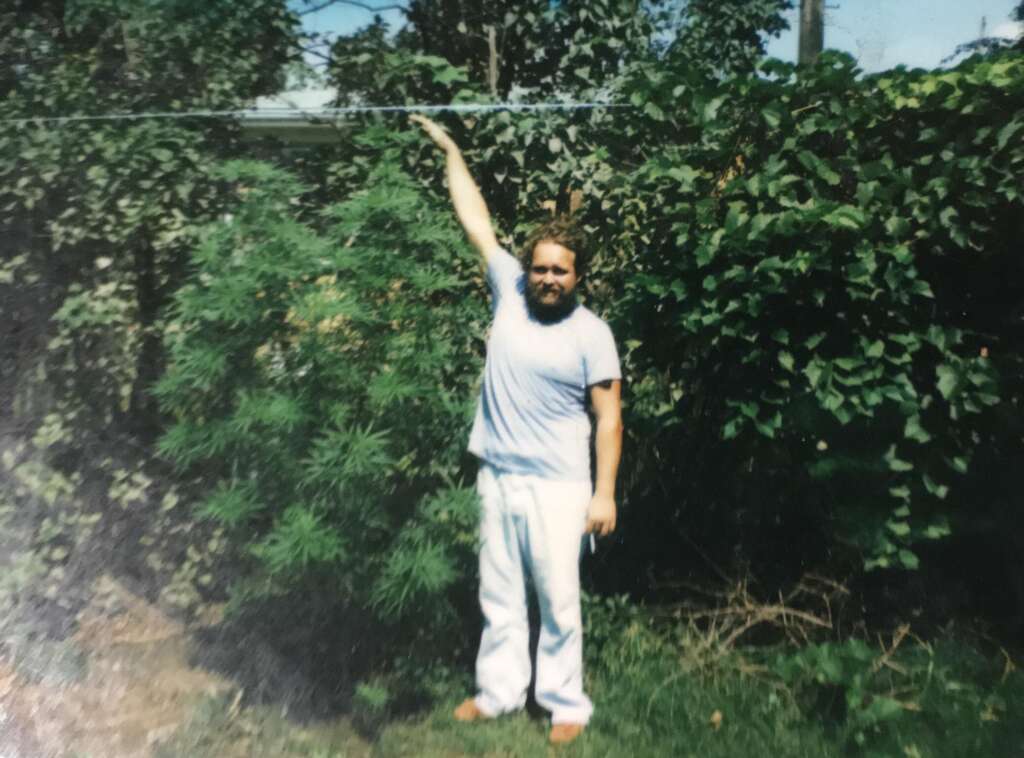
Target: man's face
551	282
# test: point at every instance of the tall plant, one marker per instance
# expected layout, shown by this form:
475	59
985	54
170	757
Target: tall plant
324	381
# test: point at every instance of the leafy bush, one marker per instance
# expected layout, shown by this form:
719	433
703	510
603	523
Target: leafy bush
941	699
324	380
817	304
99	214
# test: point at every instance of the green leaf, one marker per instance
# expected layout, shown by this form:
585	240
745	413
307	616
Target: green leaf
814	340
772	115
710	112
909	561
817	373
938	530
654	111
685	175
897	226
914	431
1007	132
736	216
813	163
939	490
846	217
899	528
759	224
948	380
448	74
921	287
895	463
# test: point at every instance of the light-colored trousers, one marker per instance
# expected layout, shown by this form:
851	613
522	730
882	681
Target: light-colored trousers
535	525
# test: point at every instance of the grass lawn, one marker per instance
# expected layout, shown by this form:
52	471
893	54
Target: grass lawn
956	703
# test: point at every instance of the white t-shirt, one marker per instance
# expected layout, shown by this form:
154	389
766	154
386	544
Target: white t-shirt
531	417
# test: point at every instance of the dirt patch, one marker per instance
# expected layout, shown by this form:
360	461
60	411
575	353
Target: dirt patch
135	690
112	642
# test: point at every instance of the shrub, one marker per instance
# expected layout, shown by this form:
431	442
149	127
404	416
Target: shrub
817	307
322	383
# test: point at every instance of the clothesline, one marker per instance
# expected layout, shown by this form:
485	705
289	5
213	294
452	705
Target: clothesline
316	113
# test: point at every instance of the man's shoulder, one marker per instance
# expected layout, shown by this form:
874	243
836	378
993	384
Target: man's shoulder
503	260
504	271
587	319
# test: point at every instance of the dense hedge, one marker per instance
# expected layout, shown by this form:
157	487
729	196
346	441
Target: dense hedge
823	305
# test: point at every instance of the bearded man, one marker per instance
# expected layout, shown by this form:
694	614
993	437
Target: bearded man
547	357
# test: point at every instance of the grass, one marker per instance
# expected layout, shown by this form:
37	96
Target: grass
959	704
654	696
649	711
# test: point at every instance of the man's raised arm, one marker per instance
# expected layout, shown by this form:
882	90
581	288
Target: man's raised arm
469	203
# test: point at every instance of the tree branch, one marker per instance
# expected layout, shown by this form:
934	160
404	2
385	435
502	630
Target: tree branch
365	6
317	53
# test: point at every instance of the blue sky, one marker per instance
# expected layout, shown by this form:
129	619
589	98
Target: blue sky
879	33
882	34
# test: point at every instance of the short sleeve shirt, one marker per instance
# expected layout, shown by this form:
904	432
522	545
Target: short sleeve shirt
531	417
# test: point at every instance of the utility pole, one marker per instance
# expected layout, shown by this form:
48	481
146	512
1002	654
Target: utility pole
812	30
492	61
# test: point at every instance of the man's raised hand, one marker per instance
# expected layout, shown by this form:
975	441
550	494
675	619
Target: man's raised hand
435	132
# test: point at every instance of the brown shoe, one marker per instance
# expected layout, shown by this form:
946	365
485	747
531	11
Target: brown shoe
562	734
467	710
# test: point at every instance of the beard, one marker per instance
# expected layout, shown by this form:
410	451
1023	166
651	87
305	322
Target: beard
549	312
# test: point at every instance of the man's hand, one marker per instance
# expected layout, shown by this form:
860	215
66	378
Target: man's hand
435	132
601	515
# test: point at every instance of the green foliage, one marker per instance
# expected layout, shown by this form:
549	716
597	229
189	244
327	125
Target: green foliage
844	679
323	378
727	38
370	706
542	49
880	701
619	633
101	213
805	274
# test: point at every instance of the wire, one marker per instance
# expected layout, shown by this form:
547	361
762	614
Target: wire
319	113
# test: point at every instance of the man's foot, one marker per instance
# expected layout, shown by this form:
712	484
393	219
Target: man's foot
562	734
467	710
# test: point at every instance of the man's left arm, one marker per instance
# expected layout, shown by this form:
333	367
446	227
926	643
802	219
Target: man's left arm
605	398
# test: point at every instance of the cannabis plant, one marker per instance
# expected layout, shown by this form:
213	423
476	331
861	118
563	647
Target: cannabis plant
321	381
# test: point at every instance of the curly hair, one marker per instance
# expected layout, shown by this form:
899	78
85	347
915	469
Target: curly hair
563	230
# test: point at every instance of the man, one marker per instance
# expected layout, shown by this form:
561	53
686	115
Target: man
546	357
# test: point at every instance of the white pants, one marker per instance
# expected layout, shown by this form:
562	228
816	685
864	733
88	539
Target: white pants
536	525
